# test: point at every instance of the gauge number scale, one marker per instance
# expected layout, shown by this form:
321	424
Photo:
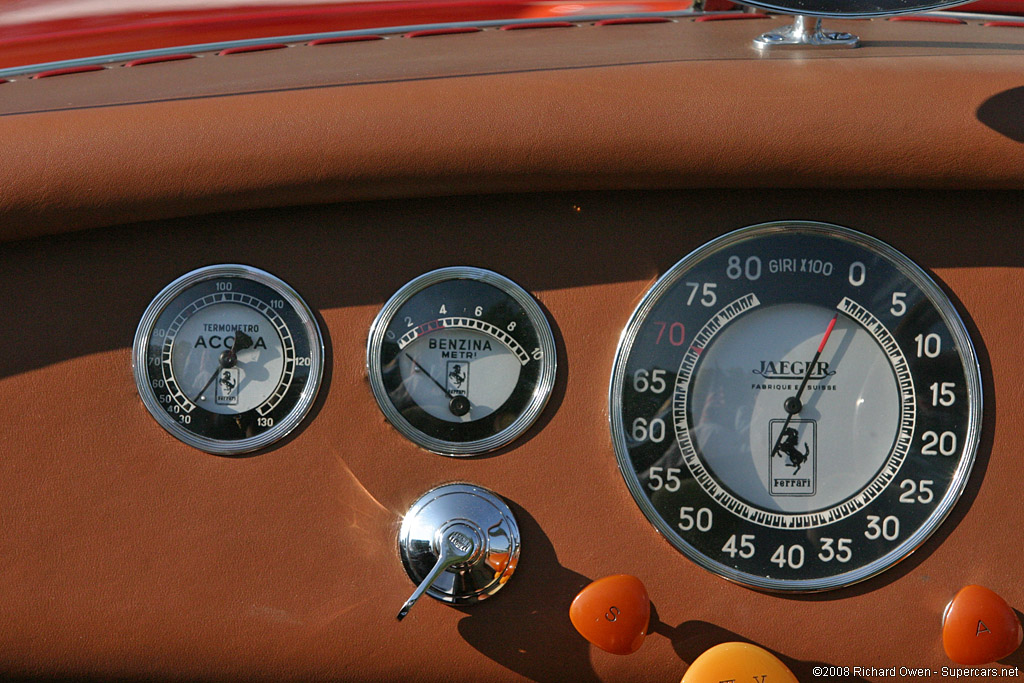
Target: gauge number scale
228	358
461	360
795	406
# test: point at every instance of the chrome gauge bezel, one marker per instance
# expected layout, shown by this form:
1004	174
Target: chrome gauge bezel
659	294
281	427
540	392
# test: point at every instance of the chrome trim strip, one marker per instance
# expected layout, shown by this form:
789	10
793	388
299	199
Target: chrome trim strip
104	60
971	16
199	48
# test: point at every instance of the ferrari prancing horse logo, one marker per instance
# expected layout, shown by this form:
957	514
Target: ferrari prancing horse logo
227	387
792	457
458	378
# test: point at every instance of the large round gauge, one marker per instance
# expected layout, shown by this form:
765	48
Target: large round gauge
228	359
461	360
795	406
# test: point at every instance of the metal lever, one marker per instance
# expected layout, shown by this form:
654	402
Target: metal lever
456	547
459	544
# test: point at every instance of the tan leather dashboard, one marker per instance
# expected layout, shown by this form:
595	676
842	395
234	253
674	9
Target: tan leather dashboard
683	104
582	168
130	554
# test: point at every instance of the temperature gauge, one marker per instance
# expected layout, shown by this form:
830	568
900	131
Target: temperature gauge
461	360
228	359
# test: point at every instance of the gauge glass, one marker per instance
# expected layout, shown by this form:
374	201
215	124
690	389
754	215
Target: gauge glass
461	360
796	406
228	358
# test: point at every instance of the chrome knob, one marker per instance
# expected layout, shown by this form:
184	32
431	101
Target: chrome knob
459	543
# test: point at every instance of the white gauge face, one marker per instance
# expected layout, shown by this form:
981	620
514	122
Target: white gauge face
445	363
218	328
228	359
461	360
753	366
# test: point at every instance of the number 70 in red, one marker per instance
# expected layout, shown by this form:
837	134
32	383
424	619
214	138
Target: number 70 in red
676	332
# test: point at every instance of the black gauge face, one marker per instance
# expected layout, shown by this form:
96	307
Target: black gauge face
228	359
796	406
461	360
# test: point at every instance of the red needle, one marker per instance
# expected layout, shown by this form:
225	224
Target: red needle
793	404
827	332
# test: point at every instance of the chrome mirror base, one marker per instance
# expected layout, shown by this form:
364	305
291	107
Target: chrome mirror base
805	32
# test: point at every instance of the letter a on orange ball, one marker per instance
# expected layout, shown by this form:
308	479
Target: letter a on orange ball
979	627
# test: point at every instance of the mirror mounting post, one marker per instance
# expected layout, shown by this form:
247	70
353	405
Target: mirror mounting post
805	32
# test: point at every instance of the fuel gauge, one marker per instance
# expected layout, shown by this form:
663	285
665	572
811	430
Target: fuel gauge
461	360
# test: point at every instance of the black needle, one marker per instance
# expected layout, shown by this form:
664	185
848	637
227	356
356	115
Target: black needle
459	405
227	360
793	404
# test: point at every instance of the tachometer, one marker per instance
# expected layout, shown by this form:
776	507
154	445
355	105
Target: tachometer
461	360
228	358
796	406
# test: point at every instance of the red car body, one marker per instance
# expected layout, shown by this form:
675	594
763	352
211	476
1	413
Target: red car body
42	31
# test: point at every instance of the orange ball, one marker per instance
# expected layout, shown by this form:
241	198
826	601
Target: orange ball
613	613
738	662
979	627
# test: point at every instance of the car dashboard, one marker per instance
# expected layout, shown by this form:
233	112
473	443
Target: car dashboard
581	160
